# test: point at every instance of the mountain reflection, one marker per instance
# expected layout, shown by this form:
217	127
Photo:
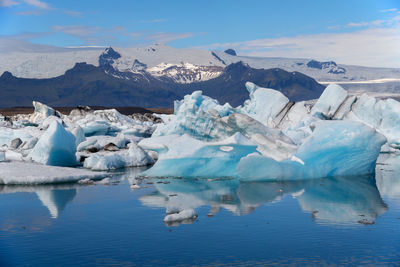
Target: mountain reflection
329	200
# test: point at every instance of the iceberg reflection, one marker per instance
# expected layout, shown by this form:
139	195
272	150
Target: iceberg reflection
330	200
54	197
388	175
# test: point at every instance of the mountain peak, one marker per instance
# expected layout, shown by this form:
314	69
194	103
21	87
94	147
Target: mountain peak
231	52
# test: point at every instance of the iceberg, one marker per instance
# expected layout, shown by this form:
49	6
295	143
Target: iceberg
190	157
55	147
198	116
265	104
42	112
329	102
336	148
132	157
28	173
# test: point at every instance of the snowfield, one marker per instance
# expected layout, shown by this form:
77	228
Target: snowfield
267	138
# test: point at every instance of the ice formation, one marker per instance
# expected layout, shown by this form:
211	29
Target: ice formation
55	147
25	173
132	157
98	140
336	135
189	157
268	138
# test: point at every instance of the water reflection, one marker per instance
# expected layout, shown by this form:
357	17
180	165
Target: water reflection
388	175
54	197
329	200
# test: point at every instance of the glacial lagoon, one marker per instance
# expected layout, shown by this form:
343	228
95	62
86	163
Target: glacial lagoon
341	220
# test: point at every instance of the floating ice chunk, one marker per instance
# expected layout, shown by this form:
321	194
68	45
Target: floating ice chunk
345	108
383	115
109	122
96	128
13	155
33	173
329	102
86	181
105	181
335	148
42	112
190	157
198	116
264	104
181	216
100	141
55	147
158	143
296	113
132	157
271	142
79	134
25	134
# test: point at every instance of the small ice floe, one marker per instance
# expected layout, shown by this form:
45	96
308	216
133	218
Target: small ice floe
86	181
135	186
32	173
105	181
184	215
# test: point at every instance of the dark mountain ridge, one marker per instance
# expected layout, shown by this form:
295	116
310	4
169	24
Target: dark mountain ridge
86	84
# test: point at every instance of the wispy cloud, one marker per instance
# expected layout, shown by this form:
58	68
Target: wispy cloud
389	10
73	13
373	46
357	24
166	37
76	30
8	3
37	4
94	35
153	21
30	13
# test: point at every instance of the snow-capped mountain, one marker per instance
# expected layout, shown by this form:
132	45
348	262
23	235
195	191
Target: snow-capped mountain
181	65
186	72
322	71
154	76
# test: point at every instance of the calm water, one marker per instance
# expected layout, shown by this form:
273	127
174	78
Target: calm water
344	220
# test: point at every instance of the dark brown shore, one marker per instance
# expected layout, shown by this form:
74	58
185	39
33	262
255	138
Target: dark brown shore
67	110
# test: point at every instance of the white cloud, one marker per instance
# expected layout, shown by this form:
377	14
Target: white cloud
76	30
73	13
37	3
29	13
357	24
8	3
368	47
389	10
153	21
166	37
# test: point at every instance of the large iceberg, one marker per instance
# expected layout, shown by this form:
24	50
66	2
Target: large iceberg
336	148
290	141
189	157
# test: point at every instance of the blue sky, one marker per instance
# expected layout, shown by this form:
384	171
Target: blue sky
253	27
